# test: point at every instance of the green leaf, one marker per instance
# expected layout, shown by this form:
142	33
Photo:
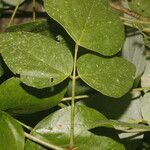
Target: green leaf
39	60
111	76
35	26
44	27
56	129
18	98
125	109
13	2
124	125
133	51
128	106
141	7
40	26
11	133
91	23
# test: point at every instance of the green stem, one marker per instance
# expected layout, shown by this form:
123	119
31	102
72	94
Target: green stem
48	145
87	96
76	98
61	105
147	30
13	15
140	89
134	131
73	98
24	125
123	126
135	21
34	11
77	77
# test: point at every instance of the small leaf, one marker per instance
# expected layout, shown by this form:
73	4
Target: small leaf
17	98
11	133
141	7
133	51
44	27
13	2
39	60
35	26
39	26
91	23
56	129
124	125
111	76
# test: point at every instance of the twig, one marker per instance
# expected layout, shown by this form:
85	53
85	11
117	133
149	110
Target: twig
122	9
34	10
140	89
24	125
76	97
135	21
72	114
13	15
48	145
146	30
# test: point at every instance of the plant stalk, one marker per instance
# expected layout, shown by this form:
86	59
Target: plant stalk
24	125
76	98
34	11
73	98
13	15
122	9
135	21
140	89
48	145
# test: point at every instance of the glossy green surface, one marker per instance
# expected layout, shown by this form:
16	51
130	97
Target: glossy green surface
111	76
39	60
11	133
91	23
56	129
17	98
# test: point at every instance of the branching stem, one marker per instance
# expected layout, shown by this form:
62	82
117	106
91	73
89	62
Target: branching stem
141	89
24	125
122	9
73	98
48	145
76	97
135	21
136	18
